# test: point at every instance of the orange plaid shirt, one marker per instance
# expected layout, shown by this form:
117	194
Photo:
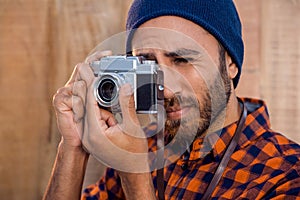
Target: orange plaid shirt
264	165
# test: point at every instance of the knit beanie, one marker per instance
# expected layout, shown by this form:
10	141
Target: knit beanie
218	17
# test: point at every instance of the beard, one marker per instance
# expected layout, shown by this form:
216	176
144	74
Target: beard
209	113
192	124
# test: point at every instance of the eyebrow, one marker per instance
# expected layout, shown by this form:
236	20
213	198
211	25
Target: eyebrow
182	52
177	53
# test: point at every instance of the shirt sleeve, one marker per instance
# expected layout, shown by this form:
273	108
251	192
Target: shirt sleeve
109	187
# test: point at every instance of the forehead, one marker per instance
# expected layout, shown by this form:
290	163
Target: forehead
172	32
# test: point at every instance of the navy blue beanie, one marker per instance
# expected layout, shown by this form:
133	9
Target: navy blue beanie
218	17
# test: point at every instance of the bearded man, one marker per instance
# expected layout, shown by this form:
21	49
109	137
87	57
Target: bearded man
217	145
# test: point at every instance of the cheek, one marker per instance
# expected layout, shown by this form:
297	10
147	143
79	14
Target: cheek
199	79
188	80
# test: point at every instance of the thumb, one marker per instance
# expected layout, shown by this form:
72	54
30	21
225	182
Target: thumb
130	121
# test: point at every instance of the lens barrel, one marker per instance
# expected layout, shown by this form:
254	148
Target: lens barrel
106	90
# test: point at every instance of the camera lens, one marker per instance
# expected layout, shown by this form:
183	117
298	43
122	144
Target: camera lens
107	90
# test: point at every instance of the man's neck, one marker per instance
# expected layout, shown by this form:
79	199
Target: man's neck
227	116
233	110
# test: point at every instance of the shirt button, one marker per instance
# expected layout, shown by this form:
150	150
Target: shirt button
184	166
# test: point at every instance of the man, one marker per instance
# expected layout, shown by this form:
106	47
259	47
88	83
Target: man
199	47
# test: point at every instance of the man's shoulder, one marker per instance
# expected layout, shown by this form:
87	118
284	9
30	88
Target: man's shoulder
283	145
273	150
258	136
268	165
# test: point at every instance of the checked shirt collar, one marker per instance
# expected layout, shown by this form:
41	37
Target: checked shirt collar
216	143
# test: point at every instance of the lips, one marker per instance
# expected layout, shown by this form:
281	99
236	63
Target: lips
175	113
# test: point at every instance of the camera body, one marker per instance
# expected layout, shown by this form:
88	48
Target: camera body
145	77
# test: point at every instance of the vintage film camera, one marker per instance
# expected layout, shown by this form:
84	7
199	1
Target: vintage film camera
145	77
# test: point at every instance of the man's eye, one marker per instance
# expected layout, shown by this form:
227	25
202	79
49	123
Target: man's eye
181	60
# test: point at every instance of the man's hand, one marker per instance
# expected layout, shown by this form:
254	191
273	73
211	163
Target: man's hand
69	102
122	146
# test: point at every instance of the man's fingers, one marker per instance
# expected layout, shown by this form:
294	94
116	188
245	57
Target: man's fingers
130	123
108	117
79	89
82	71
74	75
127	104
71	98
97	55
62	101
78	108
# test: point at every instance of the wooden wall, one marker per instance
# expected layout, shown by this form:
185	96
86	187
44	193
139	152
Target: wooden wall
272	60
40	43
42	40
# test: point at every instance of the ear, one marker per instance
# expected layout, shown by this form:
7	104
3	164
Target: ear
232	69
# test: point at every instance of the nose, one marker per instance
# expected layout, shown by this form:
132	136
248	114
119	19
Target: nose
168	92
